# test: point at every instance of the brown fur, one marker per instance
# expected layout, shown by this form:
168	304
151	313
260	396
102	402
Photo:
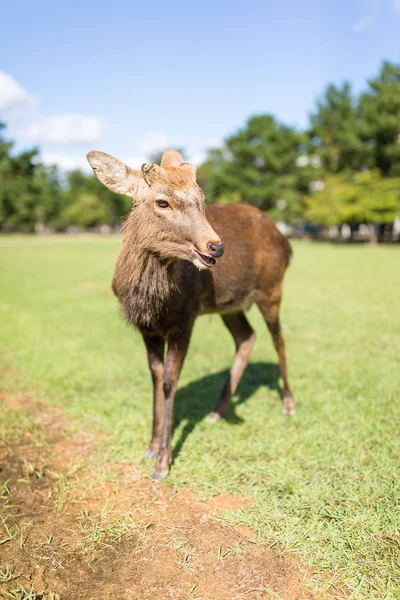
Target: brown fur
162	292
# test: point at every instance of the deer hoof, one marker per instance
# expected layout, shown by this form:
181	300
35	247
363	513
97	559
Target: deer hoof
160	474
288	412
213	417
288	406
151	453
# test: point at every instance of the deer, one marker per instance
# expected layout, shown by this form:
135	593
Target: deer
180	259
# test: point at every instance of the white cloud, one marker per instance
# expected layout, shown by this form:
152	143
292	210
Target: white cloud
21	108
66	162
396	6
12	95
153	141
65	129
364	23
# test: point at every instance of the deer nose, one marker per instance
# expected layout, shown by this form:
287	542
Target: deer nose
216	249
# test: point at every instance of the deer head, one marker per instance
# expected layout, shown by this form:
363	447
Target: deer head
168	206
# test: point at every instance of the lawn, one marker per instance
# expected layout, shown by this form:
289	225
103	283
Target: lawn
324	484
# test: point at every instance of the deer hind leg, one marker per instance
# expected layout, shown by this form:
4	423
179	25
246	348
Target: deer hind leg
155	355
244	337
269	307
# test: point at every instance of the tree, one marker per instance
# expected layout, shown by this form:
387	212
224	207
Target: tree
355	198
33	194
87	202
335	130
380	117
352	147
50	197
87	210
18	194
259	165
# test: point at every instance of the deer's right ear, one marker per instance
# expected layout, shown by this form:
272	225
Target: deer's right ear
114	174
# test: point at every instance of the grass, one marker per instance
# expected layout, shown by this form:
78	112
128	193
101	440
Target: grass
20	593
7	574
6	533
105	526
326	483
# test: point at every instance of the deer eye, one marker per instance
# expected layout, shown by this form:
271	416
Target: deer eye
162	204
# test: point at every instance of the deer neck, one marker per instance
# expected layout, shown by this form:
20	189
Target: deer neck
144	283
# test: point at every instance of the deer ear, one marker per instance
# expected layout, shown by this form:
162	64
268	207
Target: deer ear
150	173
171	158
114	174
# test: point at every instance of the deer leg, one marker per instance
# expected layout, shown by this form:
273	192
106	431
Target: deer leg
177	348
244	337
270	311
155	355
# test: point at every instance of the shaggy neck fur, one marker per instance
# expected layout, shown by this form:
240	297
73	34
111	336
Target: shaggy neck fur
144	283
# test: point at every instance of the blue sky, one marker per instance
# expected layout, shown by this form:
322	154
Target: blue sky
129	78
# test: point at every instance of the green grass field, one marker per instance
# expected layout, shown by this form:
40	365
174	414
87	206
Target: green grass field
326	483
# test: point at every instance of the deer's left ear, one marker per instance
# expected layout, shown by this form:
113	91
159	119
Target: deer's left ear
150	173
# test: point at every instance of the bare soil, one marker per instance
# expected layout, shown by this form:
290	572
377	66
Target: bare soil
68	536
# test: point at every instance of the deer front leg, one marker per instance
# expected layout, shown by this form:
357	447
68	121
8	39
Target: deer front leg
155	354
177	348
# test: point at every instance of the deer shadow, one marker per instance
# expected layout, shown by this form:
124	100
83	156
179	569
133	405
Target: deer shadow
195	401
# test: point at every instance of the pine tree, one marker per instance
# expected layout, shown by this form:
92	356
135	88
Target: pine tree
259	166
335	130
380	117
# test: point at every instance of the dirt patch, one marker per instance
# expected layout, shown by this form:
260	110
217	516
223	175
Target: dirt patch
68	536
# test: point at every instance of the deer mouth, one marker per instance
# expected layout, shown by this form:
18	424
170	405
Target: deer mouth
206	261
209	261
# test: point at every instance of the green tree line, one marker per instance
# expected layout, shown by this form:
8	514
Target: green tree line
33	195
343	168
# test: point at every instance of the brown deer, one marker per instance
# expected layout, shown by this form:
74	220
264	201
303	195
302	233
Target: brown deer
167	274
